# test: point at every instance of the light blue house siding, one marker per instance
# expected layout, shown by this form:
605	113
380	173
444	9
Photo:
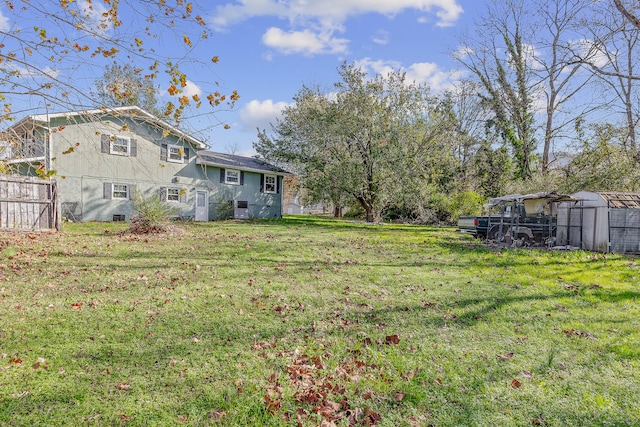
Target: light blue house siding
102	160
258	186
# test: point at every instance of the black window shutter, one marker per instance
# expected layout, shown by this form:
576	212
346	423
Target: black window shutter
133	148
106	190
105	141
163	152
221	176
241	178
278	184
262	183
163	194
186	155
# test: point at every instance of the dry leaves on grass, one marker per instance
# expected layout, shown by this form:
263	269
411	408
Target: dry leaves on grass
319	392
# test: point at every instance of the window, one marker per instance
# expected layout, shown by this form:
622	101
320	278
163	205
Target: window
173	194
118	145
242	204
120	191
175	154
270	184
232	177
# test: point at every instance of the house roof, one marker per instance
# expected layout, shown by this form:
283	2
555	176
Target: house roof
251	164
132	111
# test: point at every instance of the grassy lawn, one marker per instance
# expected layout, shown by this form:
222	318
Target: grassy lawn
308	321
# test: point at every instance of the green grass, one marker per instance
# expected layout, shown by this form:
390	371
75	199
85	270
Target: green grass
300	320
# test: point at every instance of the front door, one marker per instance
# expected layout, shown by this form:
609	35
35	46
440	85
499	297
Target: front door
202	206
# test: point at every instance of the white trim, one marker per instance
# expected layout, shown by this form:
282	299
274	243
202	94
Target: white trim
112	144
178	147
274	184
226	176
43	119
177	194
127	191
24	160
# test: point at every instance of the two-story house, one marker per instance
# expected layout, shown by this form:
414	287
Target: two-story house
102	159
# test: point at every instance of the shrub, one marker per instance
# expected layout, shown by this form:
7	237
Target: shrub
152	215
466	203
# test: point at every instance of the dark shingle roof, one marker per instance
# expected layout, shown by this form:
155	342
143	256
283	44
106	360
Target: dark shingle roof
252	164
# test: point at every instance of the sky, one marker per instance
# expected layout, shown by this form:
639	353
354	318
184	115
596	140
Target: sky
269	49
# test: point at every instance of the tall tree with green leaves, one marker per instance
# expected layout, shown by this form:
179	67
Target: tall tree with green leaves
367	140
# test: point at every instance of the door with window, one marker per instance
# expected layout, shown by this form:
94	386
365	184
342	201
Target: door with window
202	206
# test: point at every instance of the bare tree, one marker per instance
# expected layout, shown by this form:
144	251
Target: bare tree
500	61
627	13
558	68
616	40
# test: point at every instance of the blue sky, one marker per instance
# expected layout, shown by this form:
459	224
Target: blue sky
269	48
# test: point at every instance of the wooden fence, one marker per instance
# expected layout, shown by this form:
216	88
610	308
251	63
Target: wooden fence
28	204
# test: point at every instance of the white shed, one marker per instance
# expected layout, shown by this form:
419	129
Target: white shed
601	221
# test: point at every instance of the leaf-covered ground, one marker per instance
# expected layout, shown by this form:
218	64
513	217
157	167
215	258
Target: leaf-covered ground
312	322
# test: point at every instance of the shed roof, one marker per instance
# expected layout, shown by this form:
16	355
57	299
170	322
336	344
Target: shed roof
519	198
621	199
251	164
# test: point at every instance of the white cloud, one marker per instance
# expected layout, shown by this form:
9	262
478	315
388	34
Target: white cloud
305	42
191	89
4	22
314	22
381	37
259	114
428	73
94	16
589	51
447	11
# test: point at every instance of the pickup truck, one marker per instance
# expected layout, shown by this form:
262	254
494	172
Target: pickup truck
528	219
476	225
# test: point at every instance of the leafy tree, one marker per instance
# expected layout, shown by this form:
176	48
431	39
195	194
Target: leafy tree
368	141
603	162
493	169
124	85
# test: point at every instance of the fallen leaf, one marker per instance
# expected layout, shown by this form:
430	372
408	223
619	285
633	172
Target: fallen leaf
217	415
515	383
123	386
392	339
506	356
527	374
399	396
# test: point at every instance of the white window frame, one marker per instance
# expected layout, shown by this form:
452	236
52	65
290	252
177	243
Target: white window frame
173	195
270	187
122	191
229	172
126	143
177	152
